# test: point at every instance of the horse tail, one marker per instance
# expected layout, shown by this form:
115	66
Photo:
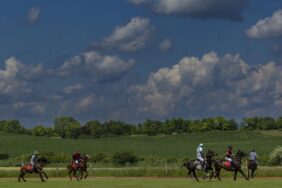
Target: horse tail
183	165
22	168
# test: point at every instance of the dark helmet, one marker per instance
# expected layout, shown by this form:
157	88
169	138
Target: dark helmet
230	147
253	150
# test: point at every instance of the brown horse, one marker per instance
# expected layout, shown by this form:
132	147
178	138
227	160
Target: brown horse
82	167
38	169
220	164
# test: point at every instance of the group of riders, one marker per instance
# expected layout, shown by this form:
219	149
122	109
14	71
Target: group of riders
203	162
76	160
76	157
228	156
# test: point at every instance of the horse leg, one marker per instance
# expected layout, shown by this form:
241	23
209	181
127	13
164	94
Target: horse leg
86	174
19	179
217	175
253	171
70	172
243	174
44	173
194	174
20	176
74	174
40	174
205	174
235	175
212	174
23	177
189	173
81	174
248	172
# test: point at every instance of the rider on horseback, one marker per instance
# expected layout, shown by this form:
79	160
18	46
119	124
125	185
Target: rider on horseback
200	155
76	157
34	161
253	156
229	156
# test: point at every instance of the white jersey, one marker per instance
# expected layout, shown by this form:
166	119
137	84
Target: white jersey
33	160
253	156
199	152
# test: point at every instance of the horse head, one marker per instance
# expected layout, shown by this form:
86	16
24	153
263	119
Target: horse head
240	154
86	156
43	160
210	153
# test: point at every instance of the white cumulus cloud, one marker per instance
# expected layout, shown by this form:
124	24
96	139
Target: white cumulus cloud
131	36
98	67
268	27
200	9
13	79
73	88
165	45
210	86
33	15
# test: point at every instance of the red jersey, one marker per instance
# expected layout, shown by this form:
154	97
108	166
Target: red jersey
229	153
76	156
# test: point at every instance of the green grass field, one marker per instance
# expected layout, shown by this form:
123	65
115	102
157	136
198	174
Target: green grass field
141	183
178	146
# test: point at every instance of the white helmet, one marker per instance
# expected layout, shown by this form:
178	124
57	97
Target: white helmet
201	145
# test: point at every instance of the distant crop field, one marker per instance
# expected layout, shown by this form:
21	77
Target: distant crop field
141	183
178	146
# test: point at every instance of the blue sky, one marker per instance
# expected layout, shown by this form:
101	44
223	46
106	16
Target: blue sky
132	60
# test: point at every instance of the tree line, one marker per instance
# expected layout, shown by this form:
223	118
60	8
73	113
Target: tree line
68	127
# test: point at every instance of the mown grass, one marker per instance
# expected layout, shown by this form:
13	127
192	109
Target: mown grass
138	172
141	183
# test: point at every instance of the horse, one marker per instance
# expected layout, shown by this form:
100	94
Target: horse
82	167
194	165
226	165
252	166
38	169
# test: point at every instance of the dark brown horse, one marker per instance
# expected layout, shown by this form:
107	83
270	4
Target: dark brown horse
38	169
221	164
82	167
194	165
252	166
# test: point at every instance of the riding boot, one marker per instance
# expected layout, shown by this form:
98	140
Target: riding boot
204	165
232	165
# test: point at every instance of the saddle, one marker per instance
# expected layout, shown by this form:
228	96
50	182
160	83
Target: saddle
197	164
76	166
227	164
29	167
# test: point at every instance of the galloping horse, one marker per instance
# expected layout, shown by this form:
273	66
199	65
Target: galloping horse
38	170
252	166
219	164
82	167
194	165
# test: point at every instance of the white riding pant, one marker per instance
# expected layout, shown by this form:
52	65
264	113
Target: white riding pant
228	159
201	159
